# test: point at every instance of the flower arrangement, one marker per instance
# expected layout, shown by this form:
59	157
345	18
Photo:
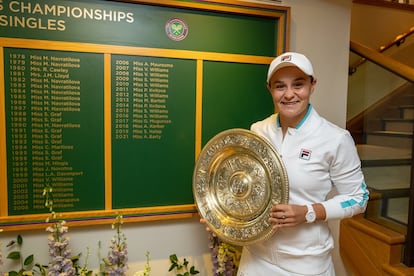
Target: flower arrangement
117	261
225	257
61	263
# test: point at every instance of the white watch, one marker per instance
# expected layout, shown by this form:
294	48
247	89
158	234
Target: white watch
310	215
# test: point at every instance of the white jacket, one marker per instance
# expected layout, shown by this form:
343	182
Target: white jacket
318	157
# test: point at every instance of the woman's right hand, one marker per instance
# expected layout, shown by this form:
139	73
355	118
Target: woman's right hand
202	221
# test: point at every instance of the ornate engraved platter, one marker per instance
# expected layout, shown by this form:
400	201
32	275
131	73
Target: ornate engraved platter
237	178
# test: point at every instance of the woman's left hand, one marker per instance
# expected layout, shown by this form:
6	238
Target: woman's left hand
287	215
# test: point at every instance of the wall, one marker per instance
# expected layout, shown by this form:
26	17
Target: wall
320	29
382	23
369	85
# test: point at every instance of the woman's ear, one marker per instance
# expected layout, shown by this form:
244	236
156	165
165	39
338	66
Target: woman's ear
313	84
268	87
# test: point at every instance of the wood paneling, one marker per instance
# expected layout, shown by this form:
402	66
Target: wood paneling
368	248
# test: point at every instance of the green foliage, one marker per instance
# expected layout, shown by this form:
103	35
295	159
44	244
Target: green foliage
42	269
26	264
81	270
181	268
147	269
15	255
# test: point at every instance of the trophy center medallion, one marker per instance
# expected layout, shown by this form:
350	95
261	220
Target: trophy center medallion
240	184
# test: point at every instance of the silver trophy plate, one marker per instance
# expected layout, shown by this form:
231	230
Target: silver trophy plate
237	178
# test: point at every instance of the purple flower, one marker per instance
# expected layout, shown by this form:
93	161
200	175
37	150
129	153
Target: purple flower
1	257
223	256
61	264
117	260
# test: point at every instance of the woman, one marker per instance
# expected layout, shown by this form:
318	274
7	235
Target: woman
318	156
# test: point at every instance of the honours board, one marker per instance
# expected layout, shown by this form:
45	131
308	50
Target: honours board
106	105
153	135
54	129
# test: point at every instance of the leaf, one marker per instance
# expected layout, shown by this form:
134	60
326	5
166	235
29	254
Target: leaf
11	243
13	273
76	257
173	265
42	268
106	261
14	255
185	262
193	271
75	260
173	258
19	239
28	260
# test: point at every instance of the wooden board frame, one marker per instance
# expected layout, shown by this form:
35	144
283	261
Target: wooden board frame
13	223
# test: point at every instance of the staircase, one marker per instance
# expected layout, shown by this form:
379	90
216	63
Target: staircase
381	241
385	147
373	243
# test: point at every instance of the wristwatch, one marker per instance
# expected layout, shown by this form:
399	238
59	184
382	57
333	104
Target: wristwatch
310	215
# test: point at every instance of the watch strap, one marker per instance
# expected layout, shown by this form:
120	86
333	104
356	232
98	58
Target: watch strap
310	215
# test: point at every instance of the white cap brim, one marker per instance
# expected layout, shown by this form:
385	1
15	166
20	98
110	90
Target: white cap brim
290	59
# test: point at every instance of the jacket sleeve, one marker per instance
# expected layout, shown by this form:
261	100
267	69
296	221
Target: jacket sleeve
351	195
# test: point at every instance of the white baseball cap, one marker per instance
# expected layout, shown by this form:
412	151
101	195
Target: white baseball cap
290	59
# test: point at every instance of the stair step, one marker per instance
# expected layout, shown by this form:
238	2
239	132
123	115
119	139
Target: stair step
390	138
375	124
397	209
405	99
407	111
366	246
394	204
368	152
400	125
387	170
387	177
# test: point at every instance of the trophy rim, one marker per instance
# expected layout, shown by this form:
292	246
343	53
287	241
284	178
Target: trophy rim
237	178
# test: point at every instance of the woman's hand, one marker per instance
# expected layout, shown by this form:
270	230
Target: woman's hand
202	221
286	215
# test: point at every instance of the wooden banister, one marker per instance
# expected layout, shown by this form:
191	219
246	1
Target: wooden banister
387	4
398	68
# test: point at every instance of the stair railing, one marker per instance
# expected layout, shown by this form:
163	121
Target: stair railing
401	5
398	68
397	41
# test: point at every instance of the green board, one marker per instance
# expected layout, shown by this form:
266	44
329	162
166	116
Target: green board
116	99
153	131
54	130
234	96
127	24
